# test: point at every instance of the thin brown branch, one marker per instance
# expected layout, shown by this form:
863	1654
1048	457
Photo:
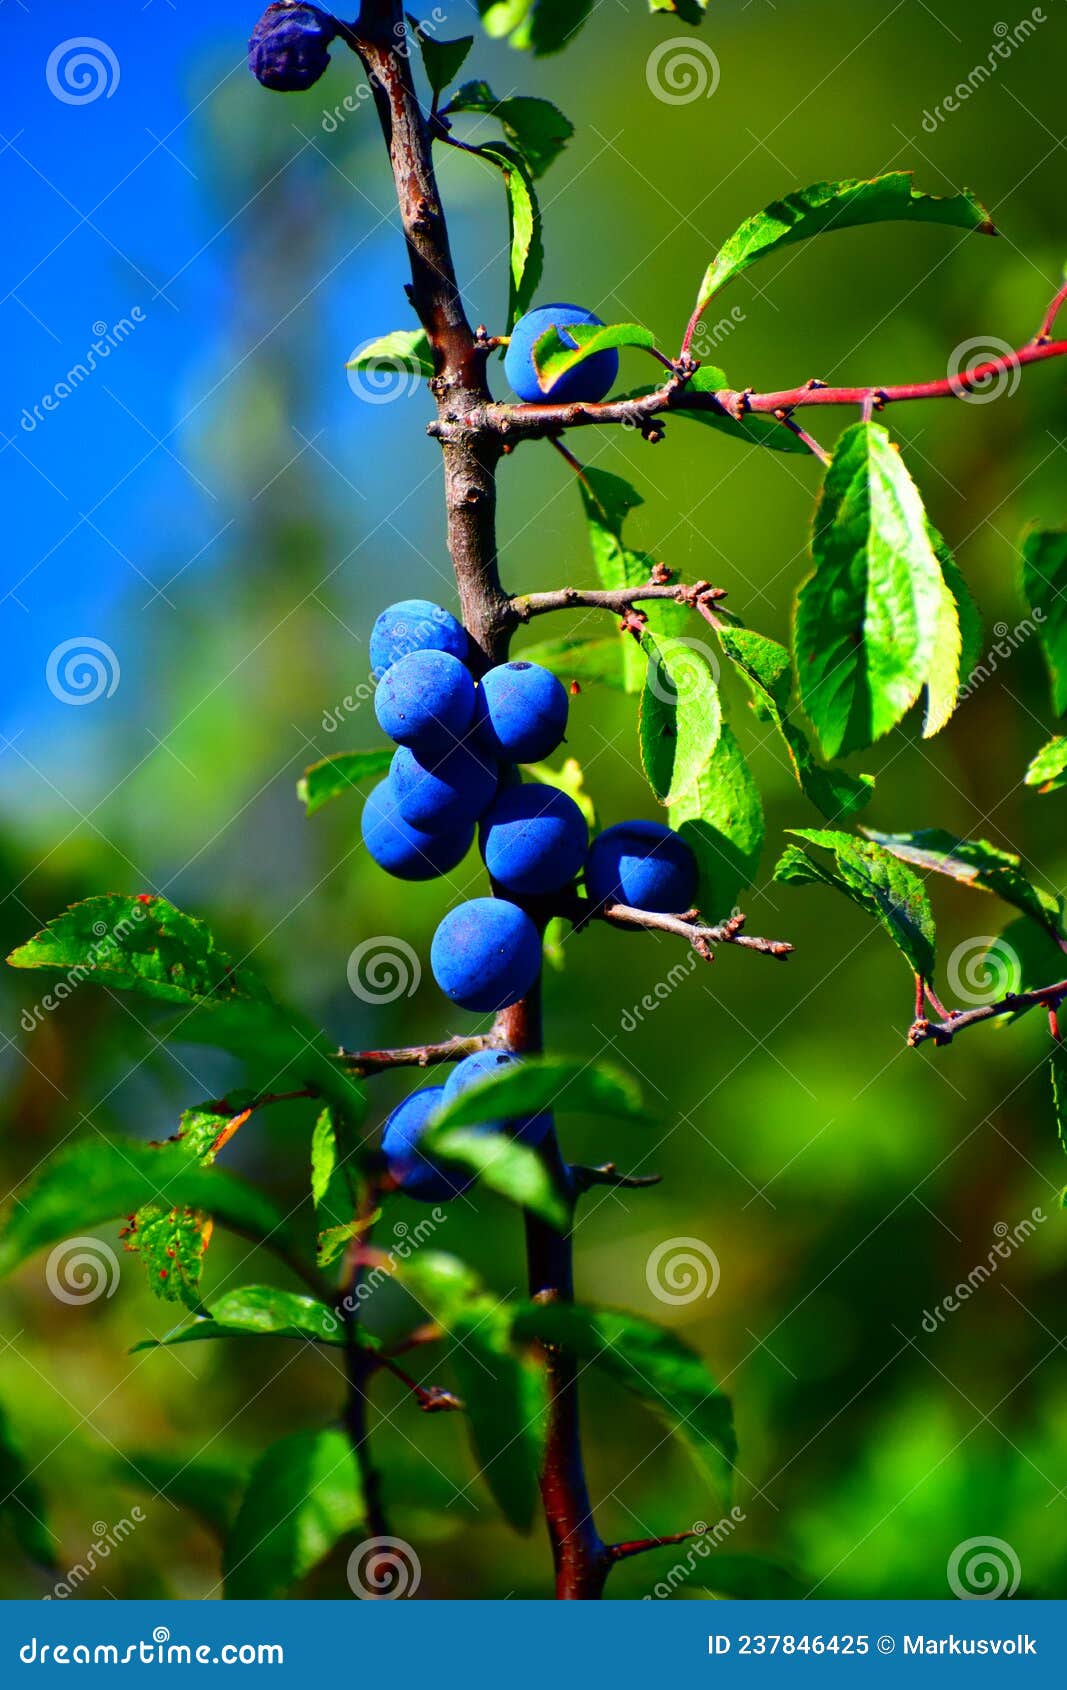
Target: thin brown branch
641	1545
615	600
529	422
366	1062
690	928
958	1020
583	1179
432	1399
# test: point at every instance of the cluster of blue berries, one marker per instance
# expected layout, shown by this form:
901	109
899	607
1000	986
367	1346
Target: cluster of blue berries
455	771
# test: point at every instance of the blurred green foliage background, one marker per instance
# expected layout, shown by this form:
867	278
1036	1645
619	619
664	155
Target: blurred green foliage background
845	1184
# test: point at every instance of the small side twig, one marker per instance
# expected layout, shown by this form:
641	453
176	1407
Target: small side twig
615	600
690	927
641	1545
583	1179
957	1021
366	1062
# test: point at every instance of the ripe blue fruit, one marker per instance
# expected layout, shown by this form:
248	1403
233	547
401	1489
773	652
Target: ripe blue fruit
528	1129
426	701
589	380
414	625
453	789
485	954
416	1175
522	711
533	839
643	864
290	46
407	851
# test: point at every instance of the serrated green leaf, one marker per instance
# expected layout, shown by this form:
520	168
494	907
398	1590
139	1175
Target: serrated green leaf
680	719
875	880
765	667
591	662
957	642
1044	554
541	1084
338	774
569	779
654	1365
1048	769
409	349
503	1394
524	222
261	1311
22	1502
540	26
867	617
303	1496
559	350
143	944
95	1180
836	205
535	128
975	863
720	818
442	60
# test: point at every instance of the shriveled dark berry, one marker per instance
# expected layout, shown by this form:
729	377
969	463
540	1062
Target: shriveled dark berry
290	46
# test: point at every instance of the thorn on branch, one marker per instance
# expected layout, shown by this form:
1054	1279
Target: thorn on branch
641	1545
585	1178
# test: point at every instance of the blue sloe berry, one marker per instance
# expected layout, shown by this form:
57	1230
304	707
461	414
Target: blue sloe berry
522	711
643	864
407	851
588	381
528	1129
415	625
444	793
533	839
486	954
426	701
416	1175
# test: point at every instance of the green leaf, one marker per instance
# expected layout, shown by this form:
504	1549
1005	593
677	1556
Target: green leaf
957	642
753	427
172	1240
748	1578
95	1180
1058	1074
22	1502
872	878
260	1311
540	26
406	348
1048	769
975	863
1020	959
1045	585
765	667
538	1084
608	500
503	1394
720	818
535	128
323	1156
837	205
681	716
569	779
588	662
143	944
559	350
442	60
339	774
524	221
511	1169
302	1497
867	617
654	1365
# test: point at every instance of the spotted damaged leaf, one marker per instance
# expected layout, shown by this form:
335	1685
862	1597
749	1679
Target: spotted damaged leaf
172	1239
975	863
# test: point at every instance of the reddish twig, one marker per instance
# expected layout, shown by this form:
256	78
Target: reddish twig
958	1020
641	1545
